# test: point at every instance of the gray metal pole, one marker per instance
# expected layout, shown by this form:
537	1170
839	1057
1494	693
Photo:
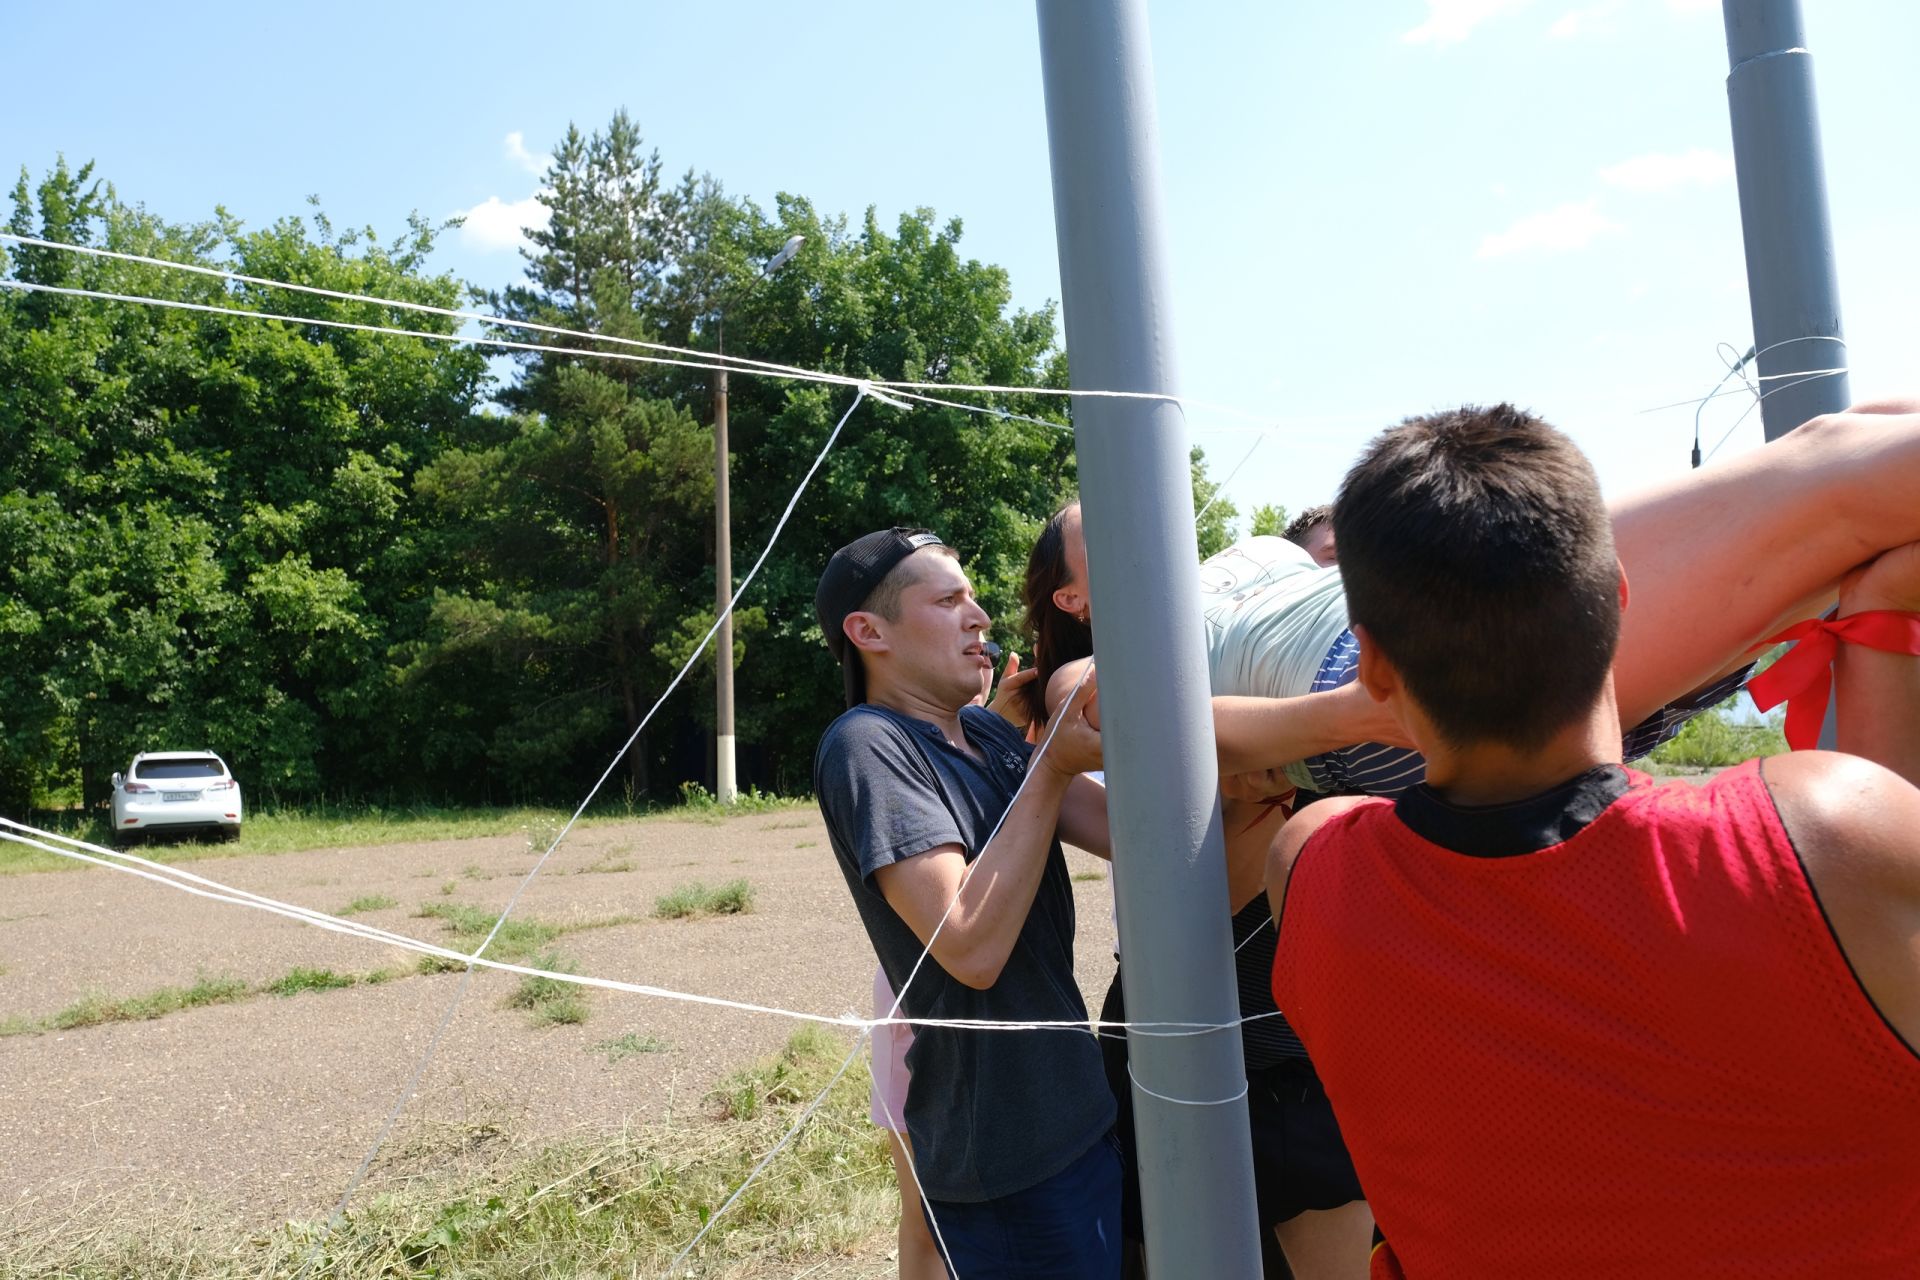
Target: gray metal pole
1196	1166
1791	285
725	787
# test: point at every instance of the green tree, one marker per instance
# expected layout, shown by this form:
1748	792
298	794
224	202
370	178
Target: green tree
202	537
1269	520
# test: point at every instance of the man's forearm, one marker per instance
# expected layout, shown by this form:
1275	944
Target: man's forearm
999	891
1264	733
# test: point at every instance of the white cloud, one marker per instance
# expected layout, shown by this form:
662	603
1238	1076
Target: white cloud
516	145
495	225
1451	21
1571	226
1594	19
1656	172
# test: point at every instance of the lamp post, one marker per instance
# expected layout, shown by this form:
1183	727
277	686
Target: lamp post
726	785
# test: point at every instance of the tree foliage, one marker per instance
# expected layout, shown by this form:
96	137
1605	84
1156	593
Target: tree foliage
355	567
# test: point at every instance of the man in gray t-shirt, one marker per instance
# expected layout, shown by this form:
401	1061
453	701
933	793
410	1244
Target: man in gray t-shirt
1009	1128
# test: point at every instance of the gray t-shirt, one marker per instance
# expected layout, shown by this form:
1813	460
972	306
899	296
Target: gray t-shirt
990	1112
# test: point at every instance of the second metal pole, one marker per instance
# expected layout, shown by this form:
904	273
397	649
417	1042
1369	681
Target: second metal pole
1791	284
1189	1096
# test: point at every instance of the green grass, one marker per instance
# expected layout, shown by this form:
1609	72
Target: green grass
613	1207
96	1008
372	902
690	901
299	980
1089	875
519	938
550	1001
628	1045
330	825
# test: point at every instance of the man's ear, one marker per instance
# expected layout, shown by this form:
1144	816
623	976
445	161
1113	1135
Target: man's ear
1375	671
1070	601
866	631
1623	586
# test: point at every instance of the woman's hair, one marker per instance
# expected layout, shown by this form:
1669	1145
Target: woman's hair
1056	636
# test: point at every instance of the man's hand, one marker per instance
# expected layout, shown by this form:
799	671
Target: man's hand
1007	702
1072	744
1259	786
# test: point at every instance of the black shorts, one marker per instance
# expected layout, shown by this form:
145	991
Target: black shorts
1300	1161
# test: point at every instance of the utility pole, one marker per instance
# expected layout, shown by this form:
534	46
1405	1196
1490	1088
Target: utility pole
1189	1093
725	787
1792	287
1791	284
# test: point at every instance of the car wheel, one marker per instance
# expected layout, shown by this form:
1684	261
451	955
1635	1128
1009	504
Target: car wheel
128	839
228	835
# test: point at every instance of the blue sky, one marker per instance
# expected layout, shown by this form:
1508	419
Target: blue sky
1373	209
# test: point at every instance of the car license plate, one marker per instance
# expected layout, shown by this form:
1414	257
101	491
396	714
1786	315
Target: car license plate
171	796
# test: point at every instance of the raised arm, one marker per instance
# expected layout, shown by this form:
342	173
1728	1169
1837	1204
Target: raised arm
989	907
1252	734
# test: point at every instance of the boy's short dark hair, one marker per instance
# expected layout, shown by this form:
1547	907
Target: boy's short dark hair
1303	524
1478	556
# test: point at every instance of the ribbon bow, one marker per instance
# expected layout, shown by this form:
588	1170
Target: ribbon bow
1803	677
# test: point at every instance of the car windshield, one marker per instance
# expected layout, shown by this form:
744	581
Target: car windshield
176	770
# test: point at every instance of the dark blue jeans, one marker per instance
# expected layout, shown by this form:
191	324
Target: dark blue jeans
1065	1228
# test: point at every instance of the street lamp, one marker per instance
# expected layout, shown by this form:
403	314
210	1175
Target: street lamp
725	780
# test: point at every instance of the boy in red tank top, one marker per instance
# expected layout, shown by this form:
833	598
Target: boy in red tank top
1574	1023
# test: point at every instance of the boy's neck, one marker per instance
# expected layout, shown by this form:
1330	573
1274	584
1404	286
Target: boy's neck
1493	773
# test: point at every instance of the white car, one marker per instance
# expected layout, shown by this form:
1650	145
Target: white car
175	791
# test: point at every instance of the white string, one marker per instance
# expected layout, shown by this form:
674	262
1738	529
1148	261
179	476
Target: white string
1185	1102
1257	931
201	887
1800	380
1222	486
738	363
1765	377
683	357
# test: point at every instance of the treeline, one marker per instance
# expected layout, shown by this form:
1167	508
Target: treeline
367	566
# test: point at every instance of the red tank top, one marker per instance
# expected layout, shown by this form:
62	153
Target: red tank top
1611	1035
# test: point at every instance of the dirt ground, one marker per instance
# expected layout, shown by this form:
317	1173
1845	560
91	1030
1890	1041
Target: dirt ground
264	1108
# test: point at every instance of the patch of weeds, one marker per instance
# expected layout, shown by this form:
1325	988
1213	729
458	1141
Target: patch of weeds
372	902
697	801
15	1025
629	1044
1089	875
474	871
692	900
516	940
793	1075
550	1001
297	980
807	844
94	1009
447	888
379	977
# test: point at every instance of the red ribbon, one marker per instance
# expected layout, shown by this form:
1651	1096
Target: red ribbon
1803	677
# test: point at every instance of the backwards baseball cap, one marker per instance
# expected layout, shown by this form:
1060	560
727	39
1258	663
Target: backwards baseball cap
855	570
